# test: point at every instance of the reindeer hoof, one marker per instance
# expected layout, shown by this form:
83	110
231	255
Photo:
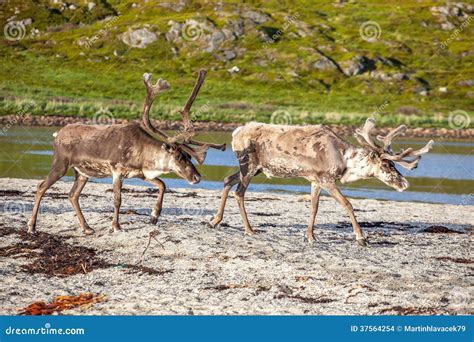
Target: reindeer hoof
362	242
31	228
115	228
310	241
212	224
88	230
153	220
250	232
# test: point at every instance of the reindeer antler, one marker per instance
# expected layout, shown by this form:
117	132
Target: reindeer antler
183	139
410	164
364	137
151	92
365	133
387	140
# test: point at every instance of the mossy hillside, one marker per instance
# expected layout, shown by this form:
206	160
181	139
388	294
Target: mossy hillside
59	76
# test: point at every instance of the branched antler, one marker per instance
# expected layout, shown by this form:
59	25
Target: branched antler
151	92
387	140
364	137
184	138
365	133
188	130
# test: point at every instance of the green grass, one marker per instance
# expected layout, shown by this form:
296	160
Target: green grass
60	77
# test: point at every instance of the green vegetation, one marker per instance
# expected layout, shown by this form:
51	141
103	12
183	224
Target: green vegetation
78	65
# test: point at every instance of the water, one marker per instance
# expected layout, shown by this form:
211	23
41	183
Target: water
446	175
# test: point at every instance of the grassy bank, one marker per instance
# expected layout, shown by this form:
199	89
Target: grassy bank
78	64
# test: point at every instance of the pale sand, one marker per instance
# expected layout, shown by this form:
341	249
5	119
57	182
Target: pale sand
221	271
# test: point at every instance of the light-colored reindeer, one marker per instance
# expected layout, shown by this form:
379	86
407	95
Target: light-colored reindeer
319	155
136	149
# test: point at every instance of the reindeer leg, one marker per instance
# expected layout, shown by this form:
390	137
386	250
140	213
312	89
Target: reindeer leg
338	196
239	196
74	194
155	213
315	192
229	182
117	184
58	169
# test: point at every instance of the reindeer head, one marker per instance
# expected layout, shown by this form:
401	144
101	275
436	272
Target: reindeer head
181	147
181	163
382	159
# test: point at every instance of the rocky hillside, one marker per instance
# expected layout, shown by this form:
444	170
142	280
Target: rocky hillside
299	62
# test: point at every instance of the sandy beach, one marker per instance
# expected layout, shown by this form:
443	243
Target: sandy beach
419	260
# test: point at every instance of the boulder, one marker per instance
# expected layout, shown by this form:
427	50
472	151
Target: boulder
256	17
139	38
357	65
466	83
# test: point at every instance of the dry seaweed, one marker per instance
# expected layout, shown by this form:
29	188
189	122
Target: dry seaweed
62	303
52	256
11	193
308	300
440	230
403	311
456	260
224	287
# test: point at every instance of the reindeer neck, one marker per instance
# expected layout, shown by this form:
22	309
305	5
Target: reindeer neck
155	158
357	164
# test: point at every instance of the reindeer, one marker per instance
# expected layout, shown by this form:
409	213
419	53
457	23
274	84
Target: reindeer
317	154
136	149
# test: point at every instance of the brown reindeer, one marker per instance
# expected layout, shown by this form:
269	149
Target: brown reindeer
136	149
319	155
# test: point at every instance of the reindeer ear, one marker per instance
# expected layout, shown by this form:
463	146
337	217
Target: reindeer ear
167	147
199	154
373	155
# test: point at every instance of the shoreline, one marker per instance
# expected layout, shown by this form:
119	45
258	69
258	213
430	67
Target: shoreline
417	262
343	130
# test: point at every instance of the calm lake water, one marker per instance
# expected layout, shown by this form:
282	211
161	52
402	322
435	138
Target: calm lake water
446	175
